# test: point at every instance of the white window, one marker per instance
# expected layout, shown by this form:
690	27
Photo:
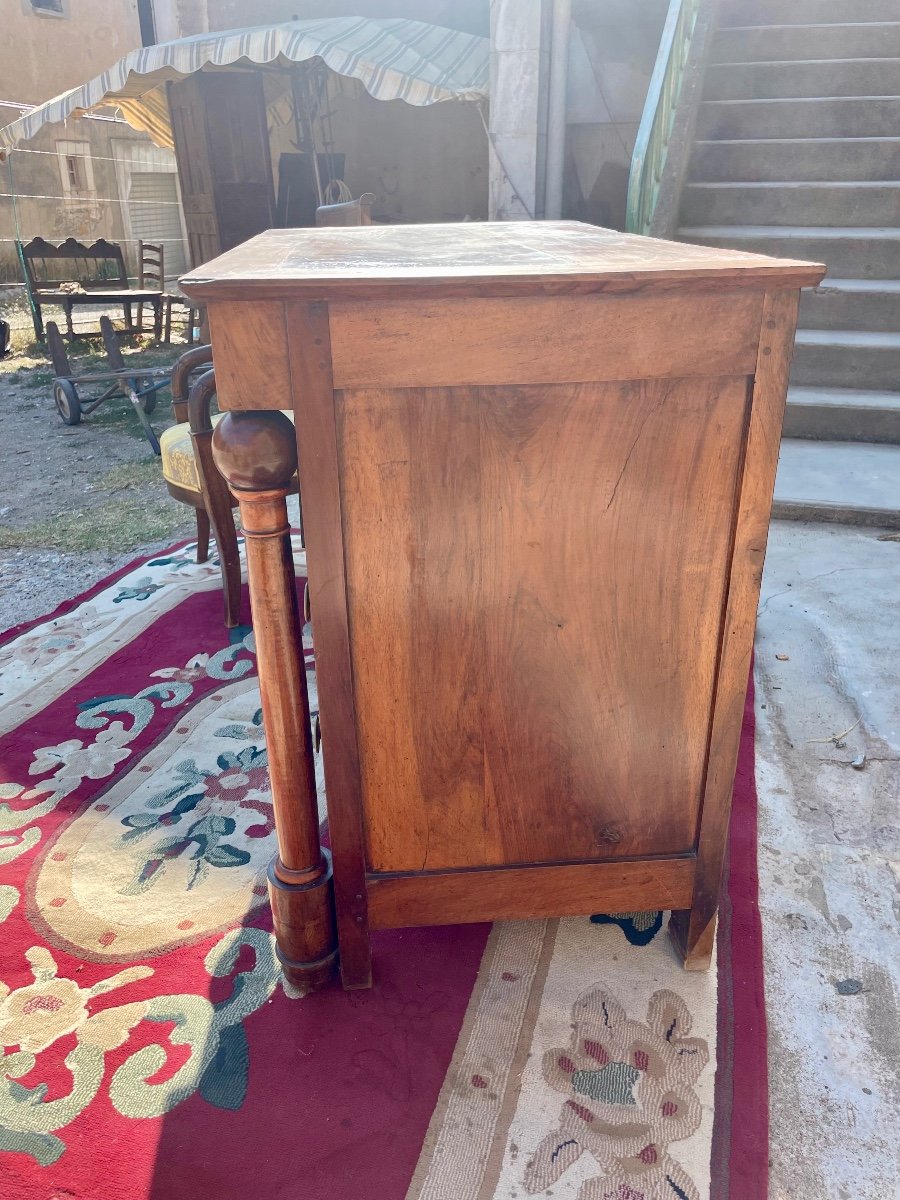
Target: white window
52	8
75	168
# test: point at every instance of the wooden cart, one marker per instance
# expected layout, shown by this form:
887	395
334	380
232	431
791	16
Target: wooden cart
139	385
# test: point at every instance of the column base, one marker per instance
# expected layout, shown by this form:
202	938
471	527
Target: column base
303	915
308	976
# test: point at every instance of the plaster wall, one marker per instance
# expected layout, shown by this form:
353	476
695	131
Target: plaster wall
44	53
520	54
35	173
612	50
471	16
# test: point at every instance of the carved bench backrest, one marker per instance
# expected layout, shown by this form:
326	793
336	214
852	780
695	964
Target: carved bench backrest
97	266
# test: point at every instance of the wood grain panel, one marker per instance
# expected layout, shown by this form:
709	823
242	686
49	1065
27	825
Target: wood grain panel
543	340
251	355
540	891
400	592
533	657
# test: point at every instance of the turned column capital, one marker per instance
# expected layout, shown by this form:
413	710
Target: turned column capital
255	451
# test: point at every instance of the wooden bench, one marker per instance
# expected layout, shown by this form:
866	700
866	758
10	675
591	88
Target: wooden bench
73	274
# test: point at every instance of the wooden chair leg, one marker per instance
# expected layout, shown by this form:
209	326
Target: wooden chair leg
202	535
168	326
230	561
221	519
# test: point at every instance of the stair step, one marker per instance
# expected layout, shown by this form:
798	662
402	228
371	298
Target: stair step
850	253
847	359
842	415
821	77
803	12
768	43
823	116
798	159
791	203
852	304
846	482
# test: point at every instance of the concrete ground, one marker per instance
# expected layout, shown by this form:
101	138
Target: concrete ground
828	650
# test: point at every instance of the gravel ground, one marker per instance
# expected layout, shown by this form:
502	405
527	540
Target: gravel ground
80	500
35	582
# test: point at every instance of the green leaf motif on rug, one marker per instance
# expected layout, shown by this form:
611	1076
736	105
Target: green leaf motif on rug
628	1091
34	1017
44	1148
639	928
236	779
12	846
73	760
224	1082
202	1026
612	1084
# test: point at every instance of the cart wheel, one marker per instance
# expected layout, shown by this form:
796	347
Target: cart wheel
65	397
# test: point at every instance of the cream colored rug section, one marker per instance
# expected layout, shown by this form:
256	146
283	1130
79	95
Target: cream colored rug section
584	1071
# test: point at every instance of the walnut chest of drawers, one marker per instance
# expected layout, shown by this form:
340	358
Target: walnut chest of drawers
536	465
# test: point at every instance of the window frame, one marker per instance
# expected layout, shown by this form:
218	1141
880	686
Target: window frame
67	150
42	8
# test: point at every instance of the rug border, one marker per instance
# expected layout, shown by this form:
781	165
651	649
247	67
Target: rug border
66	606
741	1124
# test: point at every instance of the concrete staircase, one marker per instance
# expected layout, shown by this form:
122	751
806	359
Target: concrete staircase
797	153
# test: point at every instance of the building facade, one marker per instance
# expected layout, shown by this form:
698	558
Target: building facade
94	176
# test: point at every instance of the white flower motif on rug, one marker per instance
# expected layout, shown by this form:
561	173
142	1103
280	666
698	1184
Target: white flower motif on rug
73	761
584	1070
629	1089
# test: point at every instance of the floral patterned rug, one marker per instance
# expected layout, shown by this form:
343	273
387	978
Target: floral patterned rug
151	1051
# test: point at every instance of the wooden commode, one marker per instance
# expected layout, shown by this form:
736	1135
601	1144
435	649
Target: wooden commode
536	466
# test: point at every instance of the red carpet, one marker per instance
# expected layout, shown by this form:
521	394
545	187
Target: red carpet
149	1048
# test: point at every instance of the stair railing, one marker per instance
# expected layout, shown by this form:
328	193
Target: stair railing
652	143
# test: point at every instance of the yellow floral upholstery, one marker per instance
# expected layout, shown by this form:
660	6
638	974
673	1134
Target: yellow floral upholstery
177	452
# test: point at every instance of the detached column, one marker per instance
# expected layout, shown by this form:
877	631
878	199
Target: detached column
257	454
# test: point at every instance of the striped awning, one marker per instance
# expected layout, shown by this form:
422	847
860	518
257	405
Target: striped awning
392	59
